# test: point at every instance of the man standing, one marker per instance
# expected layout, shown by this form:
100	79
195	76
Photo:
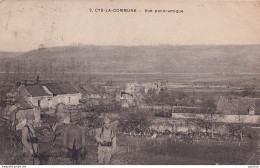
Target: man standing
74	140
29	140
106	139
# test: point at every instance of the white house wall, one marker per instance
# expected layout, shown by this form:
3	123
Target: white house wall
48	101
45	101
74	99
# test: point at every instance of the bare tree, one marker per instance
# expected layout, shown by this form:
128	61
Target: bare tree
209	106
239	112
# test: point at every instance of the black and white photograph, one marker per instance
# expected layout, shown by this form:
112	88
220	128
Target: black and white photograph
141	82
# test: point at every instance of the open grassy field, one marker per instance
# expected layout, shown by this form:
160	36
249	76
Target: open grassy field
166	153
187	154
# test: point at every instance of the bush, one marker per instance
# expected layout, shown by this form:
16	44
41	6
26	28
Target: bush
137	122
167	114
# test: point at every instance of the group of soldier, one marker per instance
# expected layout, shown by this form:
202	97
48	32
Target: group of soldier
74	141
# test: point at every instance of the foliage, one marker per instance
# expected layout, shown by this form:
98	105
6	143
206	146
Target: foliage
248	91
209	105
102	107
165	97
163	113
136	121
171	98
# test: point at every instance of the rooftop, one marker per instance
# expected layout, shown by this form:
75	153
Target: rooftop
36	90
61	88
23	103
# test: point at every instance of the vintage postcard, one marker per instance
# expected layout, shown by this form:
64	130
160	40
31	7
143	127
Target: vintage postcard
141	82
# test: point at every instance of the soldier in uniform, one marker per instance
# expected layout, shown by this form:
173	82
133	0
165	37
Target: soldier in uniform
106	138
29	140
74	140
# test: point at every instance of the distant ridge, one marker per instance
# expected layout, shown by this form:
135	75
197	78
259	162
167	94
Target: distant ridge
5	54
137	59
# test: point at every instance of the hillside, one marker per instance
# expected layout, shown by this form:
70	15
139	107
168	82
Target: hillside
9	54
136	59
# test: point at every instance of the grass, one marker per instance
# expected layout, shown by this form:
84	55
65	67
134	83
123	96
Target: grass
167	154
189	154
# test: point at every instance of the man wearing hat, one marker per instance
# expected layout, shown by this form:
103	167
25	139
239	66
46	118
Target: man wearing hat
106	139
29	140
74	139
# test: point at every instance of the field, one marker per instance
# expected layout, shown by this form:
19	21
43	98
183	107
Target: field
188	154
169	153
203	79
179	153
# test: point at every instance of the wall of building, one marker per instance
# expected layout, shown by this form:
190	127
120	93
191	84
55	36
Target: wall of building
45	101
68	99
93	96
48	101
251	119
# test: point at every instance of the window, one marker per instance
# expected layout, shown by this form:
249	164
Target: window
69	99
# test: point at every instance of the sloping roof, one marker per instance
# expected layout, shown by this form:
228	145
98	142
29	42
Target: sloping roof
23	103
36	90
81	89
61	88
88	89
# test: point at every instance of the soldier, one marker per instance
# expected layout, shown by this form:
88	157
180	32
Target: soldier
29	140
106	139
74	140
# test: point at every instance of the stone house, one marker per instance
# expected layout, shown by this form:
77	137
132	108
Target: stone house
64	92
36	95
51	94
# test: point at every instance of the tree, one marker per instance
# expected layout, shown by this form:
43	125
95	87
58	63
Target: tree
239	111
209	106
41	47
248	91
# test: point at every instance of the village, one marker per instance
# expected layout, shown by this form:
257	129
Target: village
129	83
157	116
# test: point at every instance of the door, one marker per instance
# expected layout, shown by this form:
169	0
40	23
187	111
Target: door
39	103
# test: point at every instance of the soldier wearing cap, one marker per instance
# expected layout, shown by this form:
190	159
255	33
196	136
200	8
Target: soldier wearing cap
74	139
106	139
29	140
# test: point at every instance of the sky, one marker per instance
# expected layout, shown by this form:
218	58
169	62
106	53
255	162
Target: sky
24	25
